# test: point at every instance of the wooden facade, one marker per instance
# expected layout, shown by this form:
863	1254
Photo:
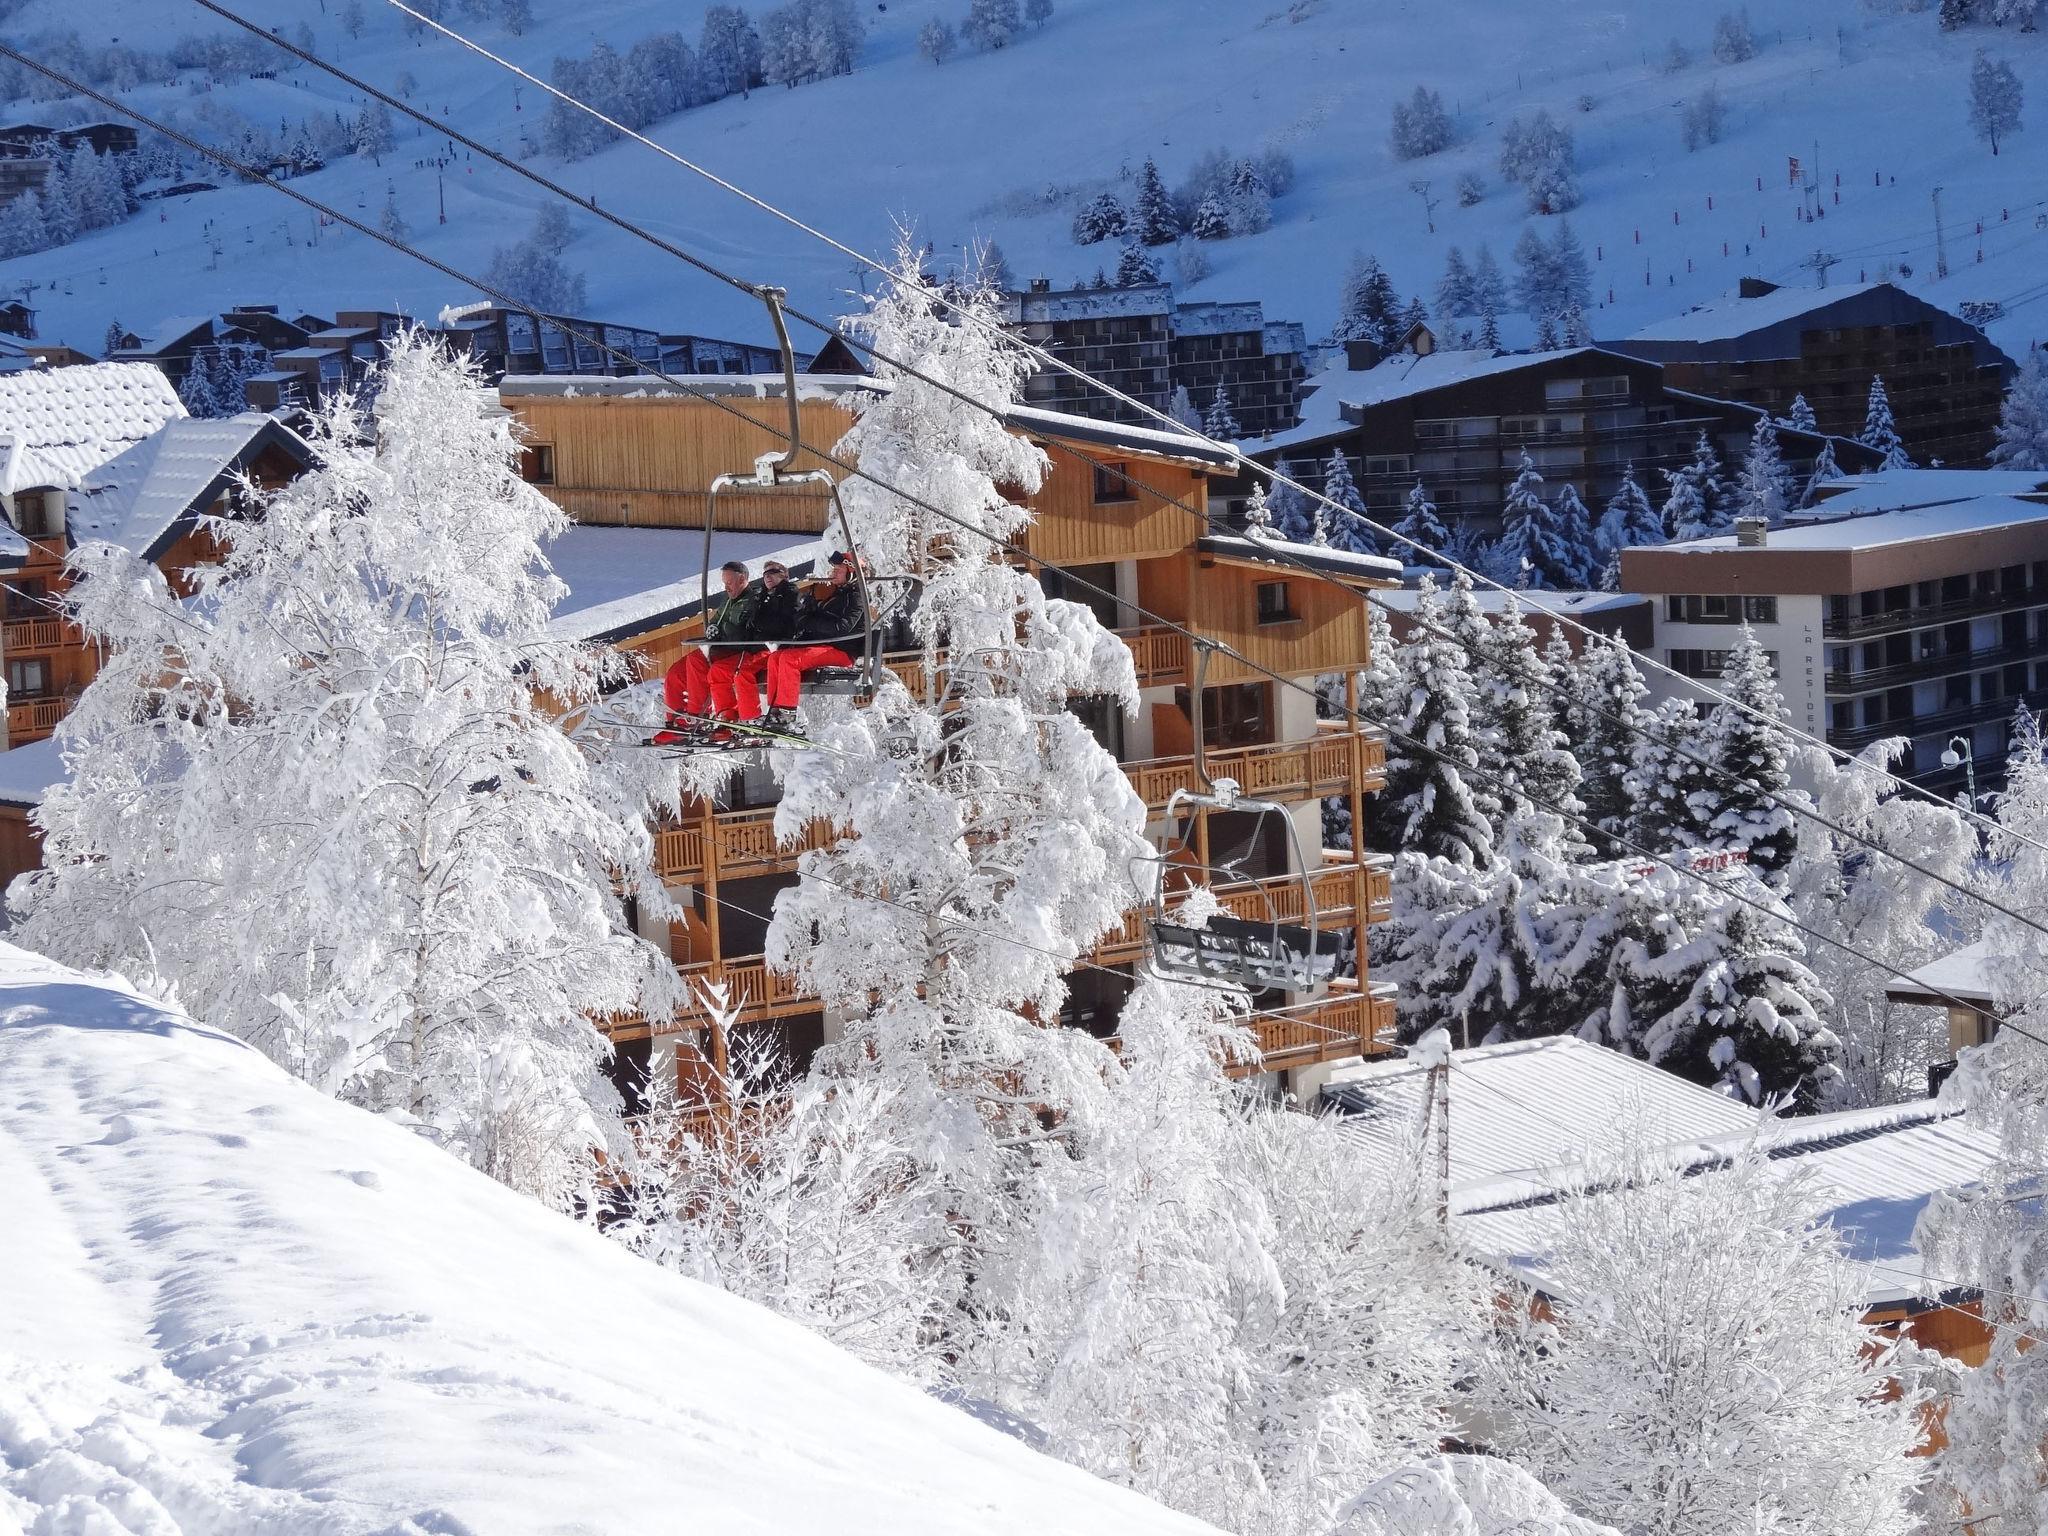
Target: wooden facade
1122	514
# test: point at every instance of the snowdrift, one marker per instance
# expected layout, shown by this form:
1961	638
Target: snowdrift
229	1305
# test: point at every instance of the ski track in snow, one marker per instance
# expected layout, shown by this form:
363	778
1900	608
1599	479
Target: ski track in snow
231	1307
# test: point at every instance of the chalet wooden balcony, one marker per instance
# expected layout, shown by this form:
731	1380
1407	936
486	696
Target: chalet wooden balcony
1285	770
734	844
1342	889
38	635
1345	1023
1159	655
28	716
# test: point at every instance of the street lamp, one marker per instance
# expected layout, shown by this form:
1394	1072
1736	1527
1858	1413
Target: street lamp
1961	755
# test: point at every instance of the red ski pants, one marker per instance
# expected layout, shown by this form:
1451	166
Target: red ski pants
698	685
786	672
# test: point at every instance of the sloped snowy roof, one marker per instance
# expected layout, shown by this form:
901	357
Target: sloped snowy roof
1965	974
1282	553
1890	490
138	499
58	424
171	328
1878	1167
1404	599
1524	1110
1874	530
1337	386
28	773
1731	317
627	581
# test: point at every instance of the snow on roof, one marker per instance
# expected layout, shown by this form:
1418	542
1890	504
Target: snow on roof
1731	317
137	498
229	1294
27	773
1152	440
1088	303
1404	599
1336	386
59	424
1890	490
1878	1168
625	581
1218	317
1526	1109
1285	553
1874	530
1964	974
172	328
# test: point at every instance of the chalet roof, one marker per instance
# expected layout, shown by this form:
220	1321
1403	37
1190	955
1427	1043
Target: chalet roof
1153	442
143	498
1895	490
1965	975
57	424
628	581
1281	554
1875	530
1577	604
1877	1170
1339	391
28	773
1727	318
170	329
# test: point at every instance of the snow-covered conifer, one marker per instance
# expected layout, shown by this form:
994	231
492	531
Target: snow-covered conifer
114	338
1153	220
1703	119
1575	531
516	16
1546	333
1489	327
1824	471
1211	219
386	865
1673	792
1488	286
1134	267
1762	484
1435	810
1546	549
1734	41
1622	1389
1221	422
60	206
1750	789
1344	526
991	24
200	389
390	220
1248	199
1539	155
1258	516
1879	431
24	227
1695	506
1995	98
1800	416
1605	728
1421	125
936	40
1523	743
1367	307
1454	297
2023	422
352	18
1536	277
374	134
535	275
1182	408
1292	519
1103	217
1420	523
1629	520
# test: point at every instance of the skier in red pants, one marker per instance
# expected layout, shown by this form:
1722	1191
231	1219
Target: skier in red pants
827	621
700	685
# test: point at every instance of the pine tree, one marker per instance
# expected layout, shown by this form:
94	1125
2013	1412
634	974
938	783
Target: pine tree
352	18
1292	519
1609	722
114	339
1488	286
1762	484
1571	272
1134	268
1153	219
200	388
1879	432
390	221
1752	785
1489	328
1420	523
1824	470
1182	408
1671	790
1546	334
1434	807
1258	516
60	206
1800	417
1537	289
1345	528
1454	296
1102	218
1211	220
374	134
24	229
1693	509
1523	746
1421	125
2023	421
1575	531
1995	97
1247	199
1629	520
1368	309
1572	327
991	24
1220	423
1536	539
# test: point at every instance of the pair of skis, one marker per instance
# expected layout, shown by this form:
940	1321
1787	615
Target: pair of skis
711	734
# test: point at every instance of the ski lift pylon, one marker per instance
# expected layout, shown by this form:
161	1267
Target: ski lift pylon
1252	953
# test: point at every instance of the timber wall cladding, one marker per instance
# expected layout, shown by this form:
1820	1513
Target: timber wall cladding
1327	633
649	463
1074	528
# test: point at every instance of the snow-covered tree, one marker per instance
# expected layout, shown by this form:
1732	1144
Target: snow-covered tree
1211	220
1489	327
1670	782
1752	784
1879	431
1538	154
1421	125
1248	199
60	206
1693	509
391	221
1701	1366
327	803
1454	296
1824	471
352	18
1367	307
1435	809
1420	523
200	389
1703	119
975	814
1345	526
1546	546
1182	408
728	52
1575	530
1629	520
24	226
1103	217
1800	417
1153	219
1523	746
936	40
1037	12
1995	99
374	134
531	270
1221	421
991	24
1605	727
1134	267
1734	41
1258	515
2023	422
1488	286
1546	333
1292	519
516	16
1762	485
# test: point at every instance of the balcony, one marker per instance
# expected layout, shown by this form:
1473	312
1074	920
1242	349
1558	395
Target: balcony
1866	624
1286	770
1957	718
1343	1024
739	844
38	635
1342	890
28	717
1932	666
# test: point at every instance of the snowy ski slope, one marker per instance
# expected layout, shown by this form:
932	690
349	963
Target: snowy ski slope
968	148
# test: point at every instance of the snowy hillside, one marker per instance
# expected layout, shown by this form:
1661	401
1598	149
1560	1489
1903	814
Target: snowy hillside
229	1305
1003	144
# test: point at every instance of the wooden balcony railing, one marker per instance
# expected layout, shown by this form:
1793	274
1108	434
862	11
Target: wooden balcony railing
756	991
37	635
26	716
1340	890
1283	770
743	844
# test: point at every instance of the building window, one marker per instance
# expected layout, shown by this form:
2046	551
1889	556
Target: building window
1276	603
1111	484
1714	610
537	463
1387	464
1710	664
27	598
27	678
1760	610
40	514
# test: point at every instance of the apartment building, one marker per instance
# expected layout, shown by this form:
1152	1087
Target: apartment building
1459	420
1768	344
1108	513
1141	343
1912	603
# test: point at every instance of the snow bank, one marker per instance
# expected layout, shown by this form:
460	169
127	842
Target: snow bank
232	1306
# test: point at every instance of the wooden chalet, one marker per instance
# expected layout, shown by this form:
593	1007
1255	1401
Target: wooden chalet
1123	509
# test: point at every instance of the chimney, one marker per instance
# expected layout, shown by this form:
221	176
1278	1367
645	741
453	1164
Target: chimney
1754	287
1041	285
1361	353
1751	532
